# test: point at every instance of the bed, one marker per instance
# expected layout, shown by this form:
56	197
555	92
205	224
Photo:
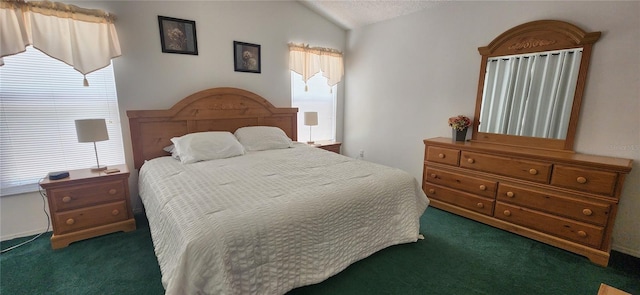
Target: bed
268	220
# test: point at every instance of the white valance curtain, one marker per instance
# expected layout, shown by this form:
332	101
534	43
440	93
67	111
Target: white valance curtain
85	39
308	61
519	89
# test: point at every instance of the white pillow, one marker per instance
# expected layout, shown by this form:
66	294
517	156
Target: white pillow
259	138
202	146
172	150
169	149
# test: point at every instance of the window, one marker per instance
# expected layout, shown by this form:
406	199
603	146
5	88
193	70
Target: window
40	99
313	69
320	98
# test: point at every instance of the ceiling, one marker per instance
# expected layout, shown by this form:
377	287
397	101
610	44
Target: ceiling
352	14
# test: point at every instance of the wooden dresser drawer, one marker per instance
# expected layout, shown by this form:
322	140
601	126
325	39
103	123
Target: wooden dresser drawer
479	186
73	220
461	199
592	212
587	180
565	199
579	232
517	168
443	155
68	198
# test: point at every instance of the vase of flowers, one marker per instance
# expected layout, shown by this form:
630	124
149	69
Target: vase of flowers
459	125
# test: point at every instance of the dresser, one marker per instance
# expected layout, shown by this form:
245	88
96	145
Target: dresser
88	204
565	199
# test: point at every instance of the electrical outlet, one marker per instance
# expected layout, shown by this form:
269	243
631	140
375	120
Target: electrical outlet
361	154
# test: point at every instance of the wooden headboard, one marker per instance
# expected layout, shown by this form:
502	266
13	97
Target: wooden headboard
215	109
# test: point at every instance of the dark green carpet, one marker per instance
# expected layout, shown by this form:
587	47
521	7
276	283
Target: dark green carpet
458	256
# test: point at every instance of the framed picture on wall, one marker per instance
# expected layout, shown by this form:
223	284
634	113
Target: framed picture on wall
246	57
178	35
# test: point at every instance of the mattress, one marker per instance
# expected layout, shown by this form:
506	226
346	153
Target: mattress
270	221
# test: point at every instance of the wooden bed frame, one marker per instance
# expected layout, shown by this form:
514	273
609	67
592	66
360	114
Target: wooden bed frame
215	109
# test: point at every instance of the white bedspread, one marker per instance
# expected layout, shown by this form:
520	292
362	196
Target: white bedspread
267	222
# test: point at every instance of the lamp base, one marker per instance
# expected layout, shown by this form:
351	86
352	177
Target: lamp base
98	168
310	142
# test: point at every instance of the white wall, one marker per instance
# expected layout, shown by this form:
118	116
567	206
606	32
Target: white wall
406	76
146	78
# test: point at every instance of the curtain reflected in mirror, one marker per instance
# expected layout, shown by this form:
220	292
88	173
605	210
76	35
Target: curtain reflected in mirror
530	94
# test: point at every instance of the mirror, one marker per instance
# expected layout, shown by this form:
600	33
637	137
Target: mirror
530	94
532	78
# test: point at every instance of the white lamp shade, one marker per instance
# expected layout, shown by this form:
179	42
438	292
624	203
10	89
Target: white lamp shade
91	130
310	118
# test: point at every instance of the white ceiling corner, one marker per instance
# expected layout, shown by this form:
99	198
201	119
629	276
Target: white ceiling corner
351	14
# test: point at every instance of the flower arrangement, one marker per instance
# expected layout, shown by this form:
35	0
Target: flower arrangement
459	122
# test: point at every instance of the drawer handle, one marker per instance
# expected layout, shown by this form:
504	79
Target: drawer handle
471	160
115	212
483	187
433	175
432	191
510	194
441	156
587	212
66	199
506	213
582	234
480	205
533	171
113	191
70	221
581	180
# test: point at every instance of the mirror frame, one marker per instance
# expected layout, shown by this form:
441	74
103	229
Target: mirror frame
537	36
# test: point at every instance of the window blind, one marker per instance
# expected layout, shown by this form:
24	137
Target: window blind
319	97
40	99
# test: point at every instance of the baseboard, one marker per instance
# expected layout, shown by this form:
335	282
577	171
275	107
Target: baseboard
23	234
625	250
140	210
38	231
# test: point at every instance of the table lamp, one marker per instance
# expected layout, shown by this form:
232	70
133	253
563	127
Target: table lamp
92	130
310	119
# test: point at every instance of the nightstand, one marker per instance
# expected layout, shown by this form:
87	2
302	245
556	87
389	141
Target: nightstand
88	204
332	146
